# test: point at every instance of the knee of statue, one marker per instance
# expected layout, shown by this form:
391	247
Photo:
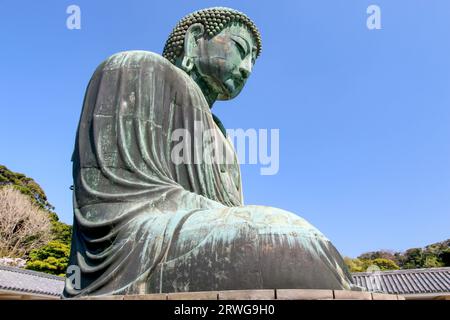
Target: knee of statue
155	208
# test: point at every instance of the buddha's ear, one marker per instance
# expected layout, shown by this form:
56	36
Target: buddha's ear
193	34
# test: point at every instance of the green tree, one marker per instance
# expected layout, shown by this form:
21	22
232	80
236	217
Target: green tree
413	258
445	257
60	231
432	261
31	188
26	186
383	254
355	265
361	265
52	258
385	264
432	256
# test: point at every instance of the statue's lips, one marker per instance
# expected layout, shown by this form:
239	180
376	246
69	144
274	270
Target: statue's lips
234	84
238	82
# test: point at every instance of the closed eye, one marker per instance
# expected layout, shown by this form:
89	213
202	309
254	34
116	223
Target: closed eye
241	49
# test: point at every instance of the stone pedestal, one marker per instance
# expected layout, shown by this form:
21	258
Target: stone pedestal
277	294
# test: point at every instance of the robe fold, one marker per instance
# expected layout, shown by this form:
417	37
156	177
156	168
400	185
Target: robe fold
144	223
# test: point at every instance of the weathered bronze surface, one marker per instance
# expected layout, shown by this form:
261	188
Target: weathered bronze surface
144	224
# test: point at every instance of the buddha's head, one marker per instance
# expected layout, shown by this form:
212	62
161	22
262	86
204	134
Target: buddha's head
217	47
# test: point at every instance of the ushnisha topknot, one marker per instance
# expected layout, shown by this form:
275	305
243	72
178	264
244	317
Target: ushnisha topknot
214	21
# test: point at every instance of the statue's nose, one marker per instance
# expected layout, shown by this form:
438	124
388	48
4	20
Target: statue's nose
245	68
244	73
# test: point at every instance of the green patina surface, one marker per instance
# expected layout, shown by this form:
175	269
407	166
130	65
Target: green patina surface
144	224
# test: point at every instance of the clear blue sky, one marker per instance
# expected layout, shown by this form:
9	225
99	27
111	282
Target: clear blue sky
364	116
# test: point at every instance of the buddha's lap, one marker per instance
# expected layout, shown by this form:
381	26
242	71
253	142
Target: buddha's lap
257	228
243	241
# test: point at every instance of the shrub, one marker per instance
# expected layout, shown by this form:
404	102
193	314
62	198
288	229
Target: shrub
52	258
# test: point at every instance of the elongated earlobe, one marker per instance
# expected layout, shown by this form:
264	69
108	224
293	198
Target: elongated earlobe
187	64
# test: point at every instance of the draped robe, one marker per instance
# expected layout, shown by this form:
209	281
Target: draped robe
145	224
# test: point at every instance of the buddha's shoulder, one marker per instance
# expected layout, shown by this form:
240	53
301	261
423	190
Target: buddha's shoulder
148	65
136	59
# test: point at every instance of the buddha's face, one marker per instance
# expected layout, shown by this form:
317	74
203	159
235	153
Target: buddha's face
225	61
